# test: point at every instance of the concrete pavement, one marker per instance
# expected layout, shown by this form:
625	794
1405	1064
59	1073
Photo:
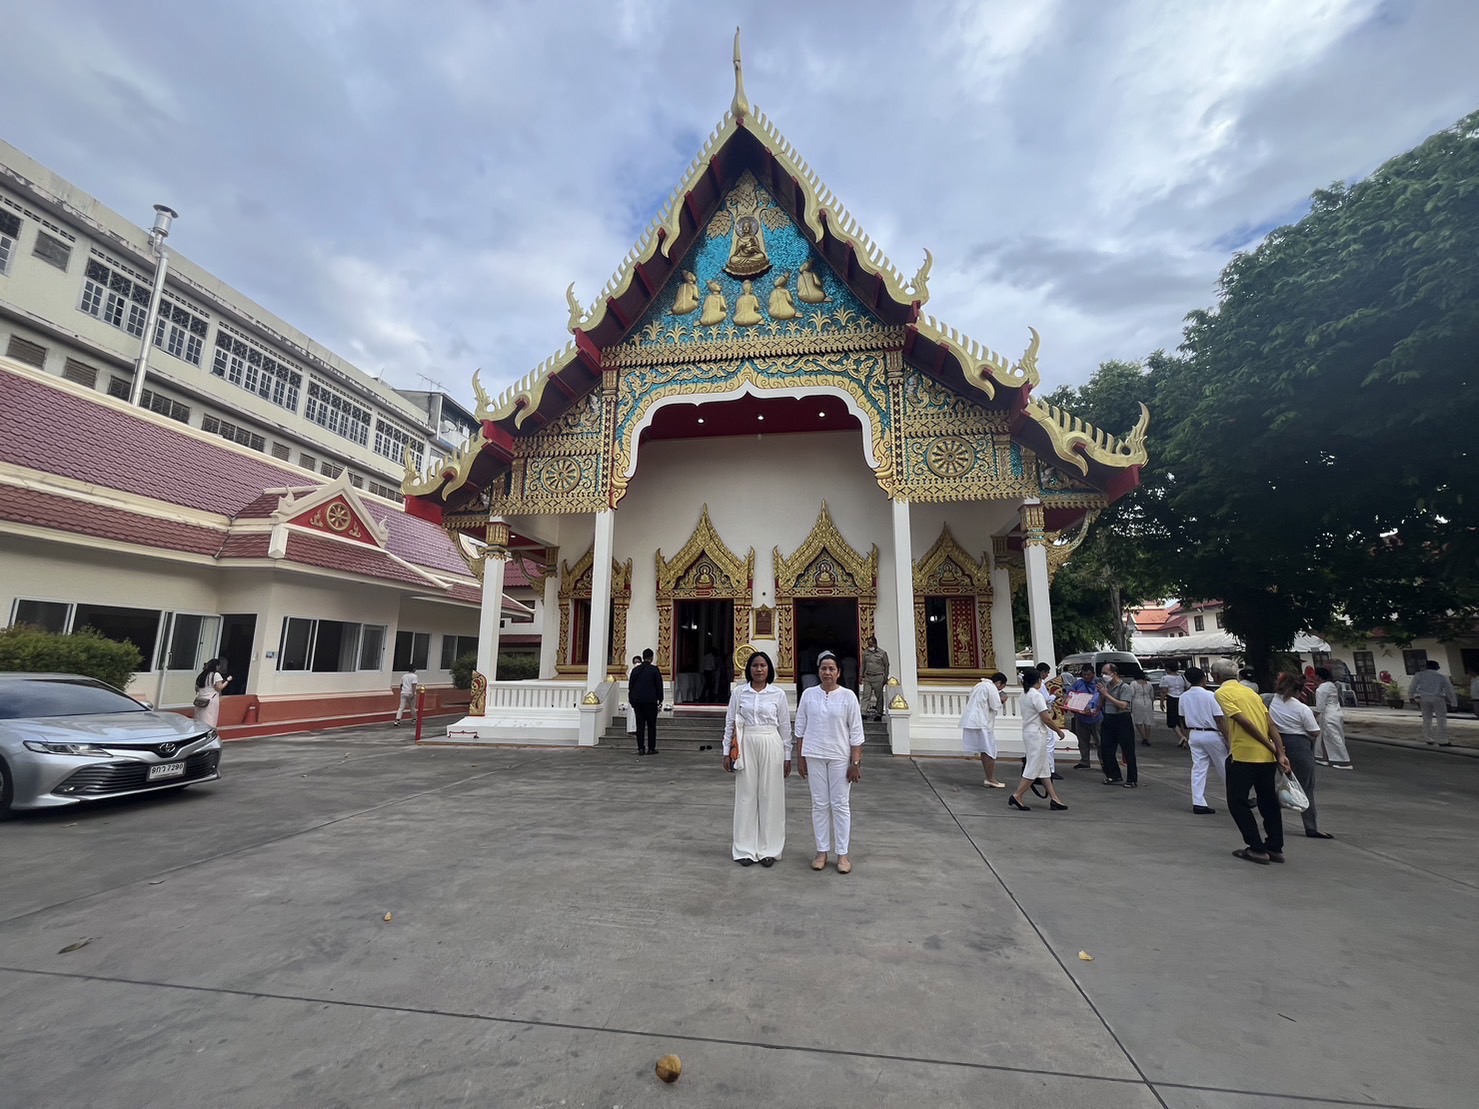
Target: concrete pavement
562	918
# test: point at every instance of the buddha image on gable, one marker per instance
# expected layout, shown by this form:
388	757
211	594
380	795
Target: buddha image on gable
747	257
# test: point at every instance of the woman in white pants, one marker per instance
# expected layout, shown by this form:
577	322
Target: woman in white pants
829	723
1206	734
1330	749
978	725
760	717
1037	723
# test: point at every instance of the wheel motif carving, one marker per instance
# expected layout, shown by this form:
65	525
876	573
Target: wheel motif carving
338	517
950	456
561	476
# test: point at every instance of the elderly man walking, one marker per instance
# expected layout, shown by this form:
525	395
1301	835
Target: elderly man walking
1257	749
1434	694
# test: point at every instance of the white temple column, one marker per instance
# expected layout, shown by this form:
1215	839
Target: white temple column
490	614
1039	607
598	659
1003	636
549	627
908	654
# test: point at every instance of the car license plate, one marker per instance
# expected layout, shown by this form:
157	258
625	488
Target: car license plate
166	770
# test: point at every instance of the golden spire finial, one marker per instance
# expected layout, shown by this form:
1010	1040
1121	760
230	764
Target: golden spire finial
740	106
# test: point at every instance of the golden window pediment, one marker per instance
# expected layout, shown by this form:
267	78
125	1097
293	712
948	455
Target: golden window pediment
705	567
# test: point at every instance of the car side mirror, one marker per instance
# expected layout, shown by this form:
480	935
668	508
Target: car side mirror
147	704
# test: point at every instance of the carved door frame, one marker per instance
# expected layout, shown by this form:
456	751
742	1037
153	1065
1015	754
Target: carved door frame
704	569
575	585
947	570
803	575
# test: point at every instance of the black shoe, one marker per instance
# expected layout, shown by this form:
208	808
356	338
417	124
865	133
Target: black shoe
1132	785
1203	810
640	751
1038	789
767	861
1319	835
745	862
1145	743
653	751
1056	776
1057	806
1014	803
1112	781
1082	766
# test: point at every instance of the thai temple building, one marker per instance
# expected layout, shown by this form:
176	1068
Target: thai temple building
757	438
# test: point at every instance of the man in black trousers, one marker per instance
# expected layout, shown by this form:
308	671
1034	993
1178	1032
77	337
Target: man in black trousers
644	694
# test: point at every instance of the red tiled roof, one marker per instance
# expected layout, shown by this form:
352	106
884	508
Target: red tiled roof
29	506
50	428
352	558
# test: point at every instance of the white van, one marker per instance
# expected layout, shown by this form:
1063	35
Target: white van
1125	662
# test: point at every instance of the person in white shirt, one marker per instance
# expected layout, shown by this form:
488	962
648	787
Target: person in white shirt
1434	694
1330	750
829	723
408	695
1207	736
978	725
208	686
759	718
1296	723
1173	685
1037	723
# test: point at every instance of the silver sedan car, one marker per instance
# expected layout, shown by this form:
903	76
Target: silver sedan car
66	739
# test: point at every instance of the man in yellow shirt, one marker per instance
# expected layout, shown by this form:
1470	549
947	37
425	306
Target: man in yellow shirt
1256	749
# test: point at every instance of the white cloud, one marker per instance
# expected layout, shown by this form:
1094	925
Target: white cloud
416	193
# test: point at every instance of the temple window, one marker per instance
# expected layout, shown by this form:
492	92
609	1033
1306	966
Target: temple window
180	332
330	646
455	646
247	365
333	410
114	297
392	442
411	651
243	436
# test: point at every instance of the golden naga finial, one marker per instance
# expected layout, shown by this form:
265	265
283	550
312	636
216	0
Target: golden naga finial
577	313
740	106
920	285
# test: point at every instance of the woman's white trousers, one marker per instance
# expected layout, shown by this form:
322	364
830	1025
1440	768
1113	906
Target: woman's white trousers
831	804
760	796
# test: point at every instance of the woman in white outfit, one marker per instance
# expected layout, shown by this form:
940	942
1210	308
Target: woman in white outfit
829	723
1330	749
1297	724
978	725
1037	722
208	685
760	717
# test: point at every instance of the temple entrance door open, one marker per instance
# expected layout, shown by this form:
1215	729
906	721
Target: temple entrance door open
825	624
703	651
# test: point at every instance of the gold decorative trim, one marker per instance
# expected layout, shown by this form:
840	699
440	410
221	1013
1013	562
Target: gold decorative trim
1062	544
591	698
1033	529
576	585
727	343
732	579
524	395
1077	442
947	550
794	579
980	364
478	704
455	469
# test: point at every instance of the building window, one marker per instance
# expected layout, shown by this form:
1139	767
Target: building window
139	626
80	373
1413	661
118	387
23	350
333	410
455	646
411	651
114	298
329	646
10	231
356	481
1198	624
307	461
243	436
180	332
49	616
393	443
330	469
157	402
1217	619
385	491
282	452
246	365
1366	664
51	249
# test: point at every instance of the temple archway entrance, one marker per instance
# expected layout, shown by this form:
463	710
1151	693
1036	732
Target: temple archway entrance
703	643
825	568
826	624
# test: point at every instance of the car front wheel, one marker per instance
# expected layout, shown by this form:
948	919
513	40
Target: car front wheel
6	790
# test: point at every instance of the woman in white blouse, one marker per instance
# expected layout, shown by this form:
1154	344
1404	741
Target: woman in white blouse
829	723
208	686
759	717
1330	749
1296	723
1037	722
978	725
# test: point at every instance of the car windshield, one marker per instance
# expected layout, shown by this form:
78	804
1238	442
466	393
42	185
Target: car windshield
31	698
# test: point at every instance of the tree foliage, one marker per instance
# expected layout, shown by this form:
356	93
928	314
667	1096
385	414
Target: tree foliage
34	651
1312	441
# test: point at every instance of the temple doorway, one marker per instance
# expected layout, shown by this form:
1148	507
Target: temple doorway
703	651
826	624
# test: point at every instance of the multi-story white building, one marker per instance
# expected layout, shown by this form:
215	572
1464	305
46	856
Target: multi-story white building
75	283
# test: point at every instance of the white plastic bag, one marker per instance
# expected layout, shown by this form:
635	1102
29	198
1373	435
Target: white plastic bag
1291	794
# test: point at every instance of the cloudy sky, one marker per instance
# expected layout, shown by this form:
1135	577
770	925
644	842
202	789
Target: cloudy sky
414	185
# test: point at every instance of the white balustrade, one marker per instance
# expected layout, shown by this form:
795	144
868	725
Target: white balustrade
535	695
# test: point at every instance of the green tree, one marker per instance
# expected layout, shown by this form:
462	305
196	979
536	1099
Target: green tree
1315	437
